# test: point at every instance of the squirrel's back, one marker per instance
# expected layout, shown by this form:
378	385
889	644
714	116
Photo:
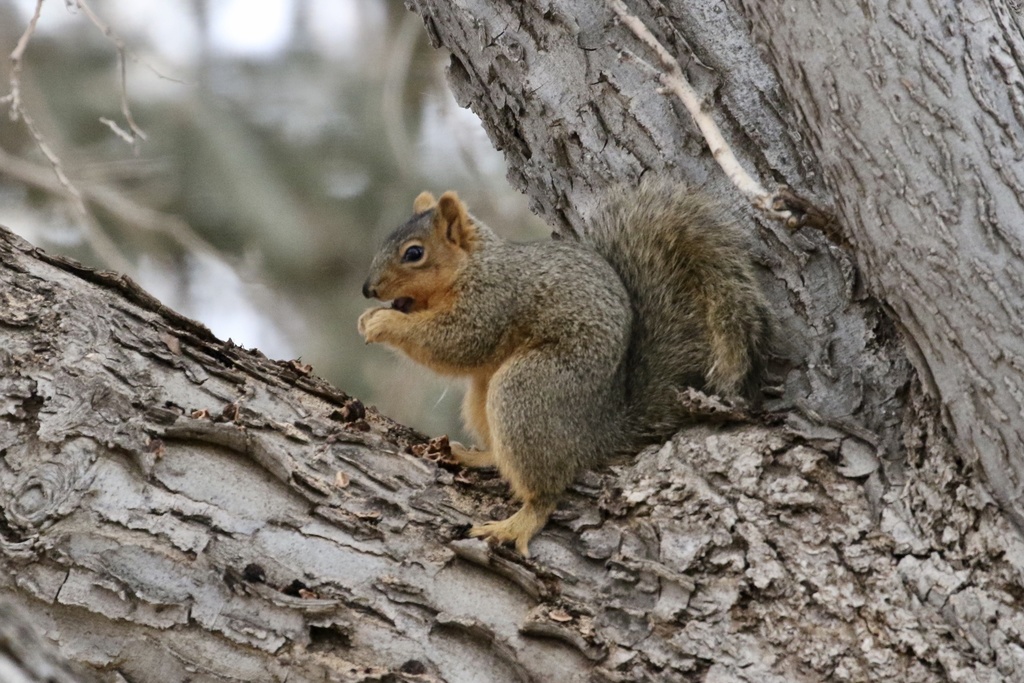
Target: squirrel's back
700	318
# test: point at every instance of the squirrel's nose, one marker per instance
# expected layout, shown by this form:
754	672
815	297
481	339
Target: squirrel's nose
368	291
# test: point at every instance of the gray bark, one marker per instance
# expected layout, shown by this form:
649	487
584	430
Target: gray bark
915	115
176	508
907	122
26	658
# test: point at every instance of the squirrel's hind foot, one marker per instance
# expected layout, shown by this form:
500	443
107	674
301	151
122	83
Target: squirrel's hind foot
517	529
472	457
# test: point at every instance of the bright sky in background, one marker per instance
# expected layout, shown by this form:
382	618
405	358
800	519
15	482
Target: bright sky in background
254	29
251	28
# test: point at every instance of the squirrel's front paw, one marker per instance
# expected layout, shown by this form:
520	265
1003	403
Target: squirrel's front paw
374	322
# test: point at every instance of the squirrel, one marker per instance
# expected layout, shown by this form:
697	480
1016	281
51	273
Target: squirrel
574	348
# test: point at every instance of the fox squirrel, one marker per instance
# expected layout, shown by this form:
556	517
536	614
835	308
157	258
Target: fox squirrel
574	348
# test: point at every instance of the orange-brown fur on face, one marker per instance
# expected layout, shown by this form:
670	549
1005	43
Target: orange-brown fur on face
447	238
421	289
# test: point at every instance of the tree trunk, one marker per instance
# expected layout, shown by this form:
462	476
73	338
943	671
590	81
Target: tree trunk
176	508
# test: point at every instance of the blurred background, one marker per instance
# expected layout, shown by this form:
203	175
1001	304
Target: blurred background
283	140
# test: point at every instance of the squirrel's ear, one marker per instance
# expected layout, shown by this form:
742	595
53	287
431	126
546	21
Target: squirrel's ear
424	202
452	220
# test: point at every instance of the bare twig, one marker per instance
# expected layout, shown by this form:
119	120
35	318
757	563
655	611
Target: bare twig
136	132
117	130
109	199
103	245
674	81
17	58
783	204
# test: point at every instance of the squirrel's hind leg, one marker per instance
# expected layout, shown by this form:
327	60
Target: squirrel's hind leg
474	410
519	528
474	415
537	414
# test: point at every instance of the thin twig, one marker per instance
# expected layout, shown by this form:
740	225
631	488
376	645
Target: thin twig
105	248
117	130
673	79
110	200
396	77
783	204
136	132
17	59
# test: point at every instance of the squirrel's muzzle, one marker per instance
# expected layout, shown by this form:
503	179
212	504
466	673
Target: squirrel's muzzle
368	291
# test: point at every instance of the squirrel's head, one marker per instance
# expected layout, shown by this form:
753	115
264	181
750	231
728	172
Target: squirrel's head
419	262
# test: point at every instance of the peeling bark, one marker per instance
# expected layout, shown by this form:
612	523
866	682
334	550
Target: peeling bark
177	508
915	114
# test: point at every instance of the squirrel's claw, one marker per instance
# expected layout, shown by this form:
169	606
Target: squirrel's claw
500	533
517	529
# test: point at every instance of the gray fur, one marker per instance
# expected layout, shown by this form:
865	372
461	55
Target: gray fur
588	342
700	317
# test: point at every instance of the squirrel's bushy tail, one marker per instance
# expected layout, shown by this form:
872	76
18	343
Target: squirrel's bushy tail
700	318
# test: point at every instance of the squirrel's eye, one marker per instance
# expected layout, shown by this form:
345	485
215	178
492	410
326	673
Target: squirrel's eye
412	254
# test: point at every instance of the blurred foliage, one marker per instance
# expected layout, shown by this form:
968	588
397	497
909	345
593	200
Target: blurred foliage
269	172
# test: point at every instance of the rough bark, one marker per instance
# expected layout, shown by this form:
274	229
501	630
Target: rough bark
915	115
906	121
177	508
26	658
